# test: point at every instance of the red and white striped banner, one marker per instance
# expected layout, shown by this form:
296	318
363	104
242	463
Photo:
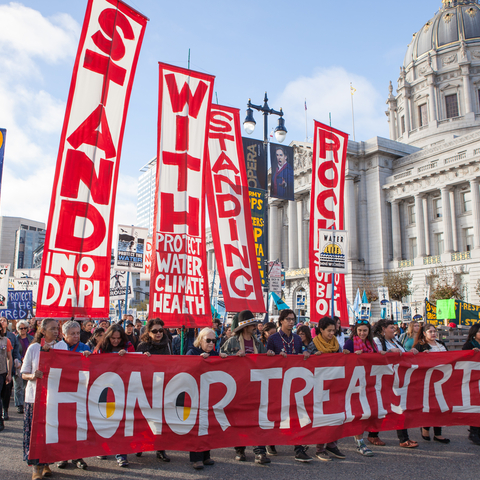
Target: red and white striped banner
229	213
179	289
326	210
76	260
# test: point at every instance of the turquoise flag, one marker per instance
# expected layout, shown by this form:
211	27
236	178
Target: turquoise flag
281	305
364	297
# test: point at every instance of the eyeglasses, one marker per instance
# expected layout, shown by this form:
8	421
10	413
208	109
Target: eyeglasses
363	322
22	328
210	340
290	319
156	331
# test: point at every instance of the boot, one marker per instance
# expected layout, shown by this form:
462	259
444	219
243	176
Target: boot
37	472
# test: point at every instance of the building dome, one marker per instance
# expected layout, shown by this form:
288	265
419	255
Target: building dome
455	22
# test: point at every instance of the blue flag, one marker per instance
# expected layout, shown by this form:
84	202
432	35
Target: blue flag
281	305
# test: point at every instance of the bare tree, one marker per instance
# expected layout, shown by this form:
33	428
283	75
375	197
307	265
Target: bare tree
398	283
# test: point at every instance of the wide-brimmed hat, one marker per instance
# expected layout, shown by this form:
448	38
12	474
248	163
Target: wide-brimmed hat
245	318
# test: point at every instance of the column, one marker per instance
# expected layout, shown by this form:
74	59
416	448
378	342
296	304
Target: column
426	224
292	235
419	225
447	221
475	211
432	102
454	221
273	233
406	101
351	218
466	90
299	202
396	234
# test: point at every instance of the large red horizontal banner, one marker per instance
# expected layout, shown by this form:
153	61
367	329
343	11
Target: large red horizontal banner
75	276
105	404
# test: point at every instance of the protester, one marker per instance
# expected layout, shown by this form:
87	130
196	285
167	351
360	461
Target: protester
326	342
339	334
307	343
285	342
104	324
473	343
203	346
24	340
259	330
6	391
407	338
361	341
268	329
86	333
244	342
96	338
132	337
115	341
71	339
45	339
155	342
426	341
6	363
228	334
138	327
385	341
188	341
35	324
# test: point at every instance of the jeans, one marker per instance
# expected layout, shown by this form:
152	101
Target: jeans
19	393
3	379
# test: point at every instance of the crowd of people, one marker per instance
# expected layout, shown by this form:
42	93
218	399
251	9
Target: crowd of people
20	353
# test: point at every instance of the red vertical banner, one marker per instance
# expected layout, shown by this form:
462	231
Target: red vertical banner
76	261
229	213
326	211
179	288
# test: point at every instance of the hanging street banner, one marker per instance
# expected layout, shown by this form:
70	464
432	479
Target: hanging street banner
275	277
96	406
258	207
4	284
326	211
118	285
3	136
20	305
282	172
464	313
77	254
145	275
178	288
229	213
255	162
431	313
130	254
333	251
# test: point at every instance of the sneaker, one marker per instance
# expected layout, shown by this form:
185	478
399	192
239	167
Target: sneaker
335	452
323	456
122	462
364	450
302	457
79	463
62	464
271	450
262	459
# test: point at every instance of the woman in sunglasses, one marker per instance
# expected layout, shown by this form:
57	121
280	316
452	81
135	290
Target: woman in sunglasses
154	341
426	341
203	346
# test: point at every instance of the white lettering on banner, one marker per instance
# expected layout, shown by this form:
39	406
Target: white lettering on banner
321	395
379	371
264	376
179	260
357	385
290	375
81	215
466	406
401	391
447	373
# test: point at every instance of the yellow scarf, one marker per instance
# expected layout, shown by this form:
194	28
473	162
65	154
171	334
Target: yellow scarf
326	347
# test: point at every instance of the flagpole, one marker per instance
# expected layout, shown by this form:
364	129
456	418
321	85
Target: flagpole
352	91
333	243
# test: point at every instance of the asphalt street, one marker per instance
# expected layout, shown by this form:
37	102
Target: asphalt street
432	460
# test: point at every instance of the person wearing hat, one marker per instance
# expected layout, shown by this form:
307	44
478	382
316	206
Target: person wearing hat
244	342
129	327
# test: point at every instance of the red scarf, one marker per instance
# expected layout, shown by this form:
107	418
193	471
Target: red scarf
365	347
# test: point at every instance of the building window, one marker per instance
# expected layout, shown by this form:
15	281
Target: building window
147	283
137	282
451	105
422	115
467	201
439	243
437	208
402	123
411	214
468	235
412	247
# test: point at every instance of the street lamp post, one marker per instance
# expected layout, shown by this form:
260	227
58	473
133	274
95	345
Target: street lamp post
280	134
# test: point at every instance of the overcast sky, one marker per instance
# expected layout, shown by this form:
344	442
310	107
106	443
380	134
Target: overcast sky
294	50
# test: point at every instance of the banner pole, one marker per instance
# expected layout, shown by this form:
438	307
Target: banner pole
119	309
333	239
181	340
126	294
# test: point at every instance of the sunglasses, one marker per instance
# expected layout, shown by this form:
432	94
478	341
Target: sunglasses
363	322
156	331
210	340
22	328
